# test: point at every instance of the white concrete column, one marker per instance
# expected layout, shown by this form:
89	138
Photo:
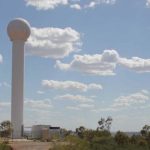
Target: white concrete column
17	88
18	31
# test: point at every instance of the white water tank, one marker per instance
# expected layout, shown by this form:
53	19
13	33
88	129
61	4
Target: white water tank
37	131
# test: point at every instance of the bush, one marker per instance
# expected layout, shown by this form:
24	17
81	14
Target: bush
90	134
102	140
5	129
142	143
121	138
72	143
134	139
4	146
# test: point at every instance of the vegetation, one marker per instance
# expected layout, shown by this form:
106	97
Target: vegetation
87	139
101	139
105	124
5	134
4	146
5	129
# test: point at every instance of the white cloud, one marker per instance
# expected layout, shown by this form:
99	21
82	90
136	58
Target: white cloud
77	98
81	107
91	4
104	64
137	64
148	3
38	104
53	42
31	104
86	106
70	85
1	58
133	99
98	64
5	84
45	4
75	4
108	109
94	3
4	104
40	92
73	108
145	92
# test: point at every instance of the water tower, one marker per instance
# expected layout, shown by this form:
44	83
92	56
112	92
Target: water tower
18	31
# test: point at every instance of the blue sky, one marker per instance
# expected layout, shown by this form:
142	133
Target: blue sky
84	60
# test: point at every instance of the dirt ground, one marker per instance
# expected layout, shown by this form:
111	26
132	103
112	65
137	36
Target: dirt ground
30	145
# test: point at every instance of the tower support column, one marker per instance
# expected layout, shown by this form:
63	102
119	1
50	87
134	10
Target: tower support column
17	88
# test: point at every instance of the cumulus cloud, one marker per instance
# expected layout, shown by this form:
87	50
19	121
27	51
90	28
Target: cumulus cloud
73	108
40	92
104	64
31	104
73	85
86	105
76	98
75	4
81	107
5	84
98	64
4	104
53	42
135	63
107	109
45	4
38	104
1	58
136	98
148	3
94	3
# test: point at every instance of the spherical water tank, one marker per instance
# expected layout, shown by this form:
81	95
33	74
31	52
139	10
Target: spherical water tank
18	29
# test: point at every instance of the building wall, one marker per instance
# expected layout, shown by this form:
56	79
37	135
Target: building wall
37	131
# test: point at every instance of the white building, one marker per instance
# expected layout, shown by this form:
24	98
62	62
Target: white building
45	132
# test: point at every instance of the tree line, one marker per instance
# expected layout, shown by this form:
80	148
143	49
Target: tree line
89	139
102	139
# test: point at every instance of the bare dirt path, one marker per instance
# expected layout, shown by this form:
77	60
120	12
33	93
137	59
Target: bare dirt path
30	145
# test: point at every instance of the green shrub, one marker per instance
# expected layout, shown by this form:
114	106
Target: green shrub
121	138
134	139
90	134
4	146
142	142
102	140
73	143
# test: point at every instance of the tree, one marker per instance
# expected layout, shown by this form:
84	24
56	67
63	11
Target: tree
5	128
105	124
134	139
145	131
121	138
80	131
